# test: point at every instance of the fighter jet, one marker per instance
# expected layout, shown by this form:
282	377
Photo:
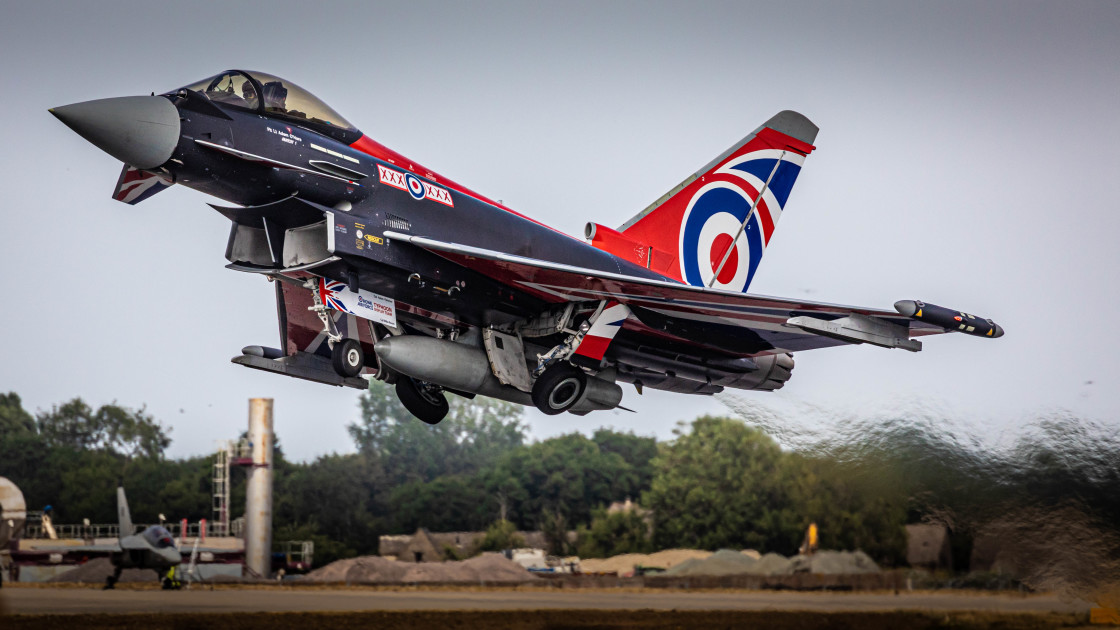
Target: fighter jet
385	269
152	548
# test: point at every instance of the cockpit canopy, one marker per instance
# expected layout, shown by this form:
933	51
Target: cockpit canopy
158	537
272	96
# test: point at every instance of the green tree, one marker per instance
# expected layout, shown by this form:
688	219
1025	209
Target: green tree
332	497
14	420
444	504
24	455
181	488
636	450
567	475
724	484
111	428
721	485
501	535
554	528
849	513
615	533
474	433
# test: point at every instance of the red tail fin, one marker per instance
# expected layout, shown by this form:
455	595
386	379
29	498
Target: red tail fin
712	229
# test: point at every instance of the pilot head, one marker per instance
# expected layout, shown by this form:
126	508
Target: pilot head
275	95
249	93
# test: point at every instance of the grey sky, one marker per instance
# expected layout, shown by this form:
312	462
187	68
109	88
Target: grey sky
968	156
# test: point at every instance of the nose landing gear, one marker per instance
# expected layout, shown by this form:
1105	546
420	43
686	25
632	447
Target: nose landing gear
347	357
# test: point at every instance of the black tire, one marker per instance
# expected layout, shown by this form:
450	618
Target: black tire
348	358
427	404
559	388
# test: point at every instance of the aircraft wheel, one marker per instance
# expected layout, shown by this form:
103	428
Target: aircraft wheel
423	400
558	389
348	358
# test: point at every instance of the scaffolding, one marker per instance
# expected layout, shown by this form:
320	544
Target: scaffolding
220	525
229	454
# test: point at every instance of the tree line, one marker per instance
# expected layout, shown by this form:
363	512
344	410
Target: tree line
717	483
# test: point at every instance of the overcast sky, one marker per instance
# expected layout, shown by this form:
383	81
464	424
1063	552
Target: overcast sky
969	156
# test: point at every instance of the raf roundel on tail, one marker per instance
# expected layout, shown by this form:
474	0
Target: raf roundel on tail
719	221
727	210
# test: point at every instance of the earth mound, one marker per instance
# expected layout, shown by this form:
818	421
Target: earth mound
489	567
95	571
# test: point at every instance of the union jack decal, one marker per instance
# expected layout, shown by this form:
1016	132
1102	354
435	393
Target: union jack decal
327	294
135	185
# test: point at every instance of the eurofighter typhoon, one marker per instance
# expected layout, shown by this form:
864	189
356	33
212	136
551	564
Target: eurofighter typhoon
387	270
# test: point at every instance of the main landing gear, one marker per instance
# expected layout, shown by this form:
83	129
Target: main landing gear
111	580
422	399
559	384
558	388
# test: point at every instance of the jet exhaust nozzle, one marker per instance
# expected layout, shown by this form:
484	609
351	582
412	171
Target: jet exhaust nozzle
141	131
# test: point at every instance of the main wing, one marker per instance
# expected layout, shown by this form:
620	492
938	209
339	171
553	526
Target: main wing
722	321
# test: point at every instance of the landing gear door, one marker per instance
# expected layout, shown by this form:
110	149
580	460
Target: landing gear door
507	359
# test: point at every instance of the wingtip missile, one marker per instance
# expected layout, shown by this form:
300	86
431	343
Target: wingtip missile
957	321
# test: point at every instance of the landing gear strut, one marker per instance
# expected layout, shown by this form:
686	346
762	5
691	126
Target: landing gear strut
558	388
347	356
422	399
111	581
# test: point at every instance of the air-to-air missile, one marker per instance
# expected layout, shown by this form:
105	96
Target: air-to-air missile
949	319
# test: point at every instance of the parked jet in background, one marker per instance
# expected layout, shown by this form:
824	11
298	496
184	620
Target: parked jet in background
385	267
153	548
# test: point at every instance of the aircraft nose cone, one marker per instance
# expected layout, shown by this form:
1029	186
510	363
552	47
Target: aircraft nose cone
141	131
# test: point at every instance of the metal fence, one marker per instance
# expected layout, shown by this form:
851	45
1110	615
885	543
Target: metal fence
38	532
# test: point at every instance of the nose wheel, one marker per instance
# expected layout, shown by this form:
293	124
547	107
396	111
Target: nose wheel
423	400
558	388
348	358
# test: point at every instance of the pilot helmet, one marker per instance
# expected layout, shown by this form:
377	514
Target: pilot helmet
274	94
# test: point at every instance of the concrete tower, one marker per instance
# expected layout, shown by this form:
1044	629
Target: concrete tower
258	495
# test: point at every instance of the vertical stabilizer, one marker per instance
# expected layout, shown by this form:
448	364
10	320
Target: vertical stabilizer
712	229
123	517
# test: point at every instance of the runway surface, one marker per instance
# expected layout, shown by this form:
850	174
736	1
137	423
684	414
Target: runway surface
95	601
